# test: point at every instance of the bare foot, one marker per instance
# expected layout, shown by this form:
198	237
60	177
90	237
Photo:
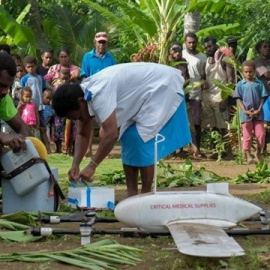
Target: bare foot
251	161
258	158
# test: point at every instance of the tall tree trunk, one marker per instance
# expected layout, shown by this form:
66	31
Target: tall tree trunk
37	27
192	21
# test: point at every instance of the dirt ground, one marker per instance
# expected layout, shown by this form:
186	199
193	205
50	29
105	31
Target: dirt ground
154	256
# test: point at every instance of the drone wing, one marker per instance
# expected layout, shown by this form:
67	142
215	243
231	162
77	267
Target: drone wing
203	240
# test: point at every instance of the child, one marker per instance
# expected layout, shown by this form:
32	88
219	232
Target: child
250	94
17	58
47	115
16	87
28	111
35	82
60	122
64	130
47	57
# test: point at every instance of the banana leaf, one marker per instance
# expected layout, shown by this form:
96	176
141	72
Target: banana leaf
10	225
20	217
226	89
21	35
18	236
105	254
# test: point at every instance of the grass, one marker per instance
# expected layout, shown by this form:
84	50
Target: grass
63	163
260	198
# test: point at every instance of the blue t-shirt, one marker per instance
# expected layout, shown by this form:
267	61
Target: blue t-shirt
47	112
37	84
92	63
251	95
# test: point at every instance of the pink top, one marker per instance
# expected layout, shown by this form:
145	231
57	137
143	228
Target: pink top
28	114
53	73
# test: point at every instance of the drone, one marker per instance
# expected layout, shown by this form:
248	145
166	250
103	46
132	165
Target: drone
198	221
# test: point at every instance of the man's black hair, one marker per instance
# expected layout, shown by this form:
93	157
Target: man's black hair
231	40
5	47
259	45
176	43
191	35
66	50
8	64
29	60
46	51
209	38
66	99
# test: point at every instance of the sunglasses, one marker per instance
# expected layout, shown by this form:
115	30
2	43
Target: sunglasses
177	49
102	42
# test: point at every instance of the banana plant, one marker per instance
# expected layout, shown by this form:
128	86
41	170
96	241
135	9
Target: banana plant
235	126
145	20
16	33
65	29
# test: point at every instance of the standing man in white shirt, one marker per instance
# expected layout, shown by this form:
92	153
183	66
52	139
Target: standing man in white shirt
196	68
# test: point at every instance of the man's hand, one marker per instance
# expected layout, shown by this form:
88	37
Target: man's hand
249	113
75	75
15	141
87	173
74	174
223	105
256	112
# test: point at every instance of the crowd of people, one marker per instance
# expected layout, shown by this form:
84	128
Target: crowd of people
50	98
35	84
207	109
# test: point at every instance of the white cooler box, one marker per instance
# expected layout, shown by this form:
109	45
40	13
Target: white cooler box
36	200
91	197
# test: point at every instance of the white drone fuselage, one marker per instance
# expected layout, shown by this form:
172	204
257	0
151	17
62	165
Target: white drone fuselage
151	212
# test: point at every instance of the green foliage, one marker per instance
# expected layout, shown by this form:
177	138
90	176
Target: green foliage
253	22
131	24
260	175
23	220
22	36
219	144
116	177
219	30
105	254
18	236
217	6
226	89
65	29
110	172
77	7
107	170
10	225
21	217
145	21
185	175
207	142
14	7
261	198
